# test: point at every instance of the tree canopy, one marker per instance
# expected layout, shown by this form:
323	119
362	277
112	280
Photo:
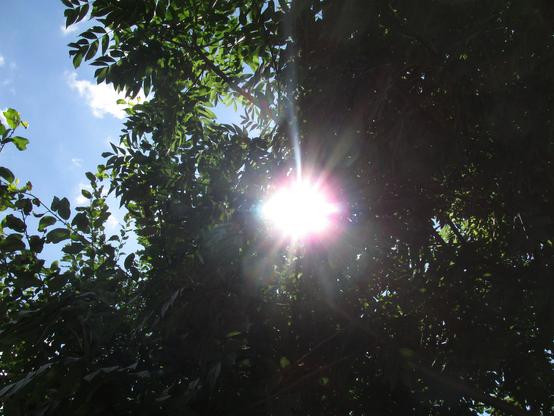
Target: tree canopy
433	120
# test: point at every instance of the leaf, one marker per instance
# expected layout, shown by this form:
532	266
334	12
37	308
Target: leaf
83	12
90	176
88	35
57	282
11	243
57	235
92	50
46	221
129	261
77	59
105	43
73	248
80	221
55	203
147	85
12	117
15	223
20	142
27	279
25	204
36	243
86	193
70	16
7	174
284	362
64	208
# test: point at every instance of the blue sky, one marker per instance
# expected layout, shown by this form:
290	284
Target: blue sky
71	118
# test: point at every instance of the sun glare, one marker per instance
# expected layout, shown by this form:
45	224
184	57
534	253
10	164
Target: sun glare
299	210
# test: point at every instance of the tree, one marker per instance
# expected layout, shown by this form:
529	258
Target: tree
434	122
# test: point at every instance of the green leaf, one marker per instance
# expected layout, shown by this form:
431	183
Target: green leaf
56	282
73	248
105	43
70	16
55	203
83	12
90	176
36	243
80	221
88	35
284	362
92	50
27	279
11	243
7	174
129	261
20	142
77	59
86	193
147	85
15	223
57	235
64	208
12	117
25	204
46	221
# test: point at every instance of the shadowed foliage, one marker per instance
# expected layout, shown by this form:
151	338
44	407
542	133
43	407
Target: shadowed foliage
433	120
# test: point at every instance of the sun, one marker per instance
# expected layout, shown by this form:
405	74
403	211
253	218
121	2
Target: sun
299	210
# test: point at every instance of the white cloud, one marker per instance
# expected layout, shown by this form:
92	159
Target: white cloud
2	118
101	98
77	162
81	200
2	60
111	223
68	30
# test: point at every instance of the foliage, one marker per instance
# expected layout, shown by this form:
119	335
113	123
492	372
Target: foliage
433	121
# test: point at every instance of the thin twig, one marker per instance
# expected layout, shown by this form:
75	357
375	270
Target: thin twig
263	106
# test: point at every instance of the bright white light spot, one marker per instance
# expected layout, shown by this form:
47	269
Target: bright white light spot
299	210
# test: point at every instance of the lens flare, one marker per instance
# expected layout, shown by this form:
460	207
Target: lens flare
299	210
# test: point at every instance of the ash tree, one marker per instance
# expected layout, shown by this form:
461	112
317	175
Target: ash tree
433	120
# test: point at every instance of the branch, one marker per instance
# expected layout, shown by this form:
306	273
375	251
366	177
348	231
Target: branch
455	230
263	106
